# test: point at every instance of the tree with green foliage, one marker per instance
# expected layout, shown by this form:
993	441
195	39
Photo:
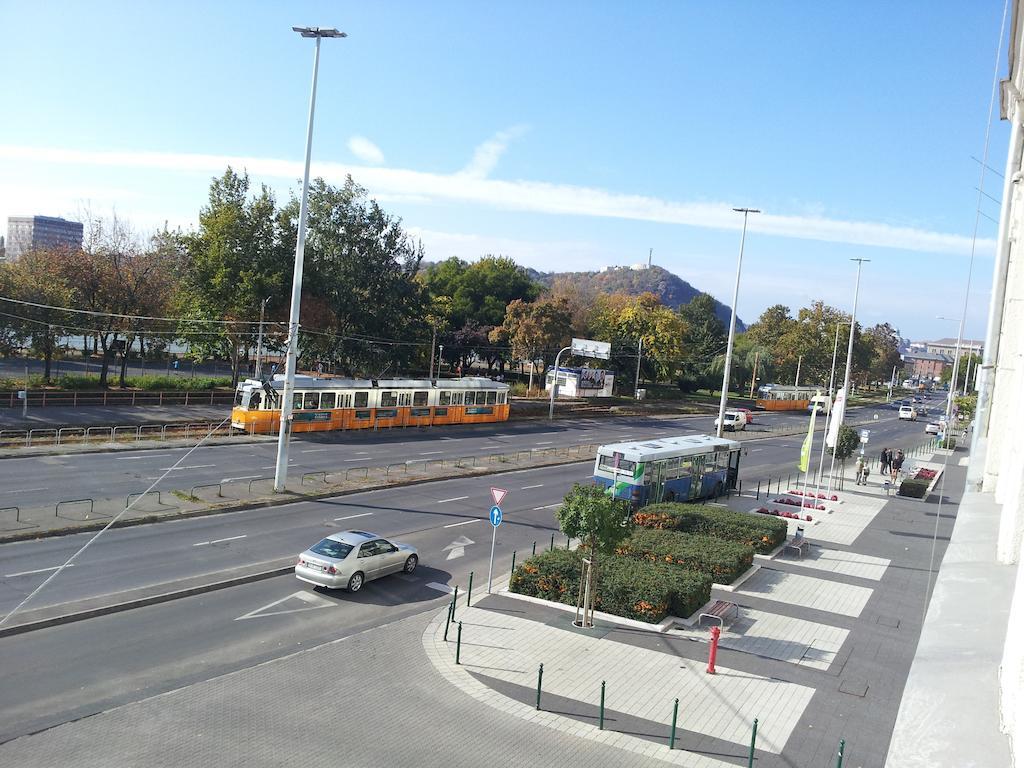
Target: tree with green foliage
883	350
600	521
625	321
704	339
847	441
532	328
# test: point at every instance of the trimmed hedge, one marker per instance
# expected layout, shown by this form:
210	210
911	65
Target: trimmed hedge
762	533
634	589
915	489
723	560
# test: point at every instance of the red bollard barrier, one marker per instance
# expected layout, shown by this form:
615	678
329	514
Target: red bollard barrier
715	632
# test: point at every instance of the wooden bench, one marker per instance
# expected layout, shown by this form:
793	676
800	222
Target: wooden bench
719	610
798	543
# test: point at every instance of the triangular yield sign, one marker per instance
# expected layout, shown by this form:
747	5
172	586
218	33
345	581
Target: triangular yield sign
498	494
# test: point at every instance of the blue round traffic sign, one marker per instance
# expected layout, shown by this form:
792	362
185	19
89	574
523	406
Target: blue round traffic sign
496	516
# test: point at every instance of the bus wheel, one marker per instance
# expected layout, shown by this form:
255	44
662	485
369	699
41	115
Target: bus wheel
670	496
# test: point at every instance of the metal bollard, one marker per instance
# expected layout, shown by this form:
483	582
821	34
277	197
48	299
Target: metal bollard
839	755
672	736
715	632
600	716
540	679
458	651
753	741
469	589
759	490
448	620
534	550
568	541
552	547
455	596
513	565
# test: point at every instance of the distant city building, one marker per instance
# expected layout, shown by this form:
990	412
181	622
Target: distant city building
925	365
26	233
948	347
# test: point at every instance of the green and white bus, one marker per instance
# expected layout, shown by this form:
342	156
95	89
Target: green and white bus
683	468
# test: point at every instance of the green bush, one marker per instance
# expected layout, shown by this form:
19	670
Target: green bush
723	560
633	589
948	442
180	383
762	533
915	489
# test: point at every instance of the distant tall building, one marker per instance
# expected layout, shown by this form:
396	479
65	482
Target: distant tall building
26	233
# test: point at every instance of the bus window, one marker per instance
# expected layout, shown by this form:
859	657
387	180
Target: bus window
327	399
362	399
311	400
492	397
297	401
388	400
625	465
420	398
446	397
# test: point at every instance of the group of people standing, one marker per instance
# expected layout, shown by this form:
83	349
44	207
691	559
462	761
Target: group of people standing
890	464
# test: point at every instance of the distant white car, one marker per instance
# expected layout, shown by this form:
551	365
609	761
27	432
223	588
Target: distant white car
908	413
733	420
933	428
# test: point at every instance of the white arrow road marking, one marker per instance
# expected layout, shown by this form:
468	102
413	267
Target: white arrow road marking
458	547
218	541
311	603
37	570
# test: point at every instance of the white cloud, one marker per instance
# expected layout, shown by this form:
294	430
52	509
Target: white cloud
486	155
365	150
469	186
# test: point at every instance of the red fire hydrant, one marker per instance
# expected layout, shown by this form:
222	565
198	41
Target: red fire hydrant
715	632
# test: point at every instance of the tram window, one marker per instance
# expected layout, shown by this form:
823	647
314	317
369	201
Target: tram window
456	398
327	399
311	400
470	398
238	397
501	398
345	400
388	399
419	398
297	401
492	397
446	397
440	411
362	399
404	398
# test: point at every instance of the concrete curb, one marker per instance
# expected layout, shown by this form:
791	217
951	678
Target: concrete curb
50	616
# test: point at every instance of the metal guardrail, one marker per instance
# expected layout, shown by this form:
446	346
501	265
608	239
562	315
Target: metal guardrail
42	398
122	433
90	502
195	488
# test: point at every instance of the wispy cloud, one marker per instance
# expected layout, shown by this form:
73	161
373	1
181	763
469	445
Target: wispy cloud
487	154
365	150
471	186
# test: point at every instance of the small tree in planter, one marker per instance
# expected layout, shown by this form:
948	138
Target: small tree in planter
846	443
598	521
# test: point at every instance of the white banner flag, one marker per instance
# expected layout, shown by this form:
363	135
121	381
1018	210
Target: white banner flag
838	409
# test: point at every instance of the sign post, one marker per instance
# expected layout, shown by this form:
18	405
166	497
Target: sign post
496	516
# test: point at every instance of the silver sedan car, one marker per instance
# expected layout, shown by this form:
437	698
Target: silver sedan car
349	559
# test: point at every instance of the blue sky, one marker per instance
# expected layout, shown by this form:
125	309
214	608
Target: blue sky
566	135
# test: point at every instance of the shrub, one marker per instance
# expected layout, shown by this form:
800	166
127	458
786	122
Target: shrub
633	589
180	383
915	489
723	560
761	533
948	442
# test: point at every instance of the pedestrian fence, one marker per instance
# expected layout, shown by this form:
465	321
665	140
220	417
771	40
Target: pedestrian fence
598	712
127	433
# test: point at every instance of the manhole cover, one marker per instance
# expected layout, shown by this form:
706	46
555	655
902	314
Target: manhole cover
854	687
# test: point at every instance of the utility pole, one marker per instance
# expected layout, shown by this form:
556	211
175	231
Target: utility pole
799	360
440	357
433	346
259	341
892	383
639	357
753	378
732	322
281	469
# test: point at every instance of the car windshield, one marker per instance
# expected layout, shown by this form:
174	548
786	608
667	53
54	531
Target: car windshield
330	548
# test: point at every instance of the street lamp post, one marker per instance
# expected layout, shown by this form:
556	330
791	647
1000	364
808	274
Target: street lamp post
440	356
259	341
828	416
554	383
732	322
956	365
849	368
281	471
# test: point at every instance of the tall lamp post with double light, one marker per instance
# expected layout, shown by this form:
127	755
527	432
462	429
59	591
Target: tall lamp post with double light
732	322
955	374
281	471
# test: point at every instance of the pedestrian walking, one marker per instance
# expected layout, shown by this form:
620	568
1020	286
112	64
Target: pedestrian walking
897	464
884	461
859	470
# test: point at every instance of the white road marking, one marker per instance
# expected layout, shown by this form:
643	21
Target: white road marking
194	466
464	522
37	570
218	541
430	453
545	442
457	498
25	490
352	517
528	487
315	450
441	587
272	466
549	506
243	477
312	602
351	460
129	458
458	547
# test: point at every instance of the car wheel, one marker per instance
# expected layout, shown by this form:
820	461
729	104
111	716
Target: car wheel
410	563
356	582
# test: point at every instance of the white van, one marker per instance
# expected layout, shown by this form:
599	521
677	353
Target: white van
908	412
822	402
733	420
